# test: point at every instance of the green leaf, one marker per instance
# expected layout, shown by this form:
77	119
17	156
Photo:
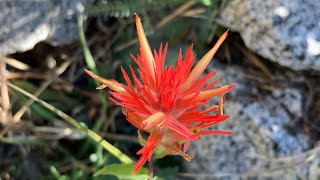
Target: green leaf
123	171
206	2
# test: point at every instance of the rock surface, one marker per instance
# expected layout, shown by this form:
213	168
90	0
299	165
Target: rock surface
286	32
263	134
25	23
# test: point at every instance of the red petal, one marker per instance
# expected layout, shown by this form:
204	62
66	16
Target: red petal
179	128
151	144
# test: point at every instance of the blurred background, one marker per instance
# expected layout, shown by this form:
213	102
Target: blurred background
272	54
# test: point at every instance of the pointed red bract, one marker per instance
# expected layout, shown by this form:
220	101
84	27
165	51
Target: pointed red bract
165	102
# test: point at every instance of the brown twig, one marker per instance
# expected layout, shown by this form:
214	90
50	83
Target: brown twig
15	63
179	11
254	59
52	78
120	137
194	12
175	13
26	75
5	101
44	86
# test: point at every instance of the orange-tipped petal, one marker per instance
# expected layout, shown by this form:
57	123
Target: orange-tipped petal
203	95
145	46
202	64
115	86
154	120
132	118
207	94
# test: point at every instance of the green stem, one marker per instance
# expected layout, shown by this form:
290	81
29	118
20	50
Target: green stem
91	134
92	66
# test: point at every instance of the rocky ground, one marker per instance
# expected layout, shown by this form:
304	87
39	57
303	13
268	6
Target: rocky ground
272	54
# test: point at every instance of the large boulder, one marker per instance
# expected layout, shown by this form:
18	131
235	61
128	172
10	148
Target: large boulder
23	24
284	31
264	132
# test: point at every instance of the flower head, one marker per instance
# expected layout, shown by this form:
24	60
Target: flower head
165	102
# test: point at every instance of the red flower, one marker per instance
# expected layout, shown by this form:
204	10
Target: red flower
166	101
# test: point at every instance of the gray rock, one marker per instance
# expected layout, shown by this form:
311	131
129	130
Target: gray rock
262	134
284	31
25	23
291	100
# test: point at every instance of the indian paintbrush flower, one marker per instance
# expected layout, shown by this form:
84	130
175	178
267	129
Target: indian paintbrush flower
166	101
